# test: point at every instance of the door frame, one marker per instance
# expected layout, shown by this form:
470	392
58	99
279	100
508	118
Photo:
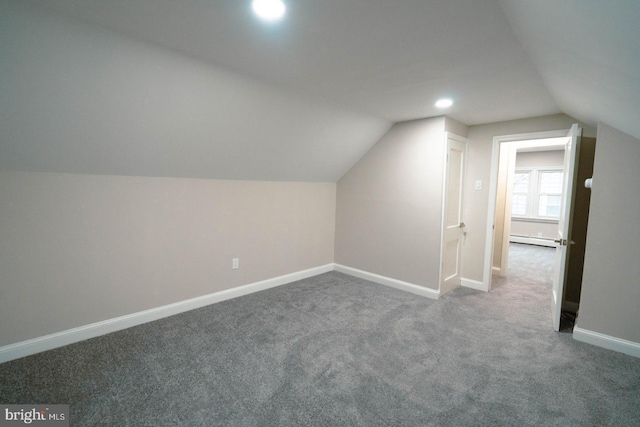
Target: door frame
465	141
493	191
511	150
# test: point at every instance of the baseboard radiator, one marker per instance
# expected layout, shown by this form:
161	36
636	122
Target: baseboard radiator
530	240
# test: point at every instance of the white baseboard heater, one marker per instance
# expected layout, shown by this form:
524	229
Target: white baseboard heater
529	240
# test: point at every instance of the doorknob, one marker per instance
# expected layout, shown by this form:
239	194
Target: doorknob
563	242
462	225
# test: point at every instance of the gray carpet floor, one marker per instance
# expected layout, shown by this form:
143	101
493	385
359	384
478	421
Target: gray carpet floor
335	350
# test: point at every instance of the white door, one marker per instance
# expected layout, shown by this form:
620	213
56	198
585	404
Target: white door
564	223
453	226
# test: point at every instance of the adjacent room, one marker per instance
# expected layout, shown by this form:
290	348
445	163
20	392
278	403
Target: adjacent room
278	212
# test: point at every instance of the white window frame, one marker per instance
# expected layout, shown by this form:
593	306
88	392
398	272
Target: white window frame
533	196
528	193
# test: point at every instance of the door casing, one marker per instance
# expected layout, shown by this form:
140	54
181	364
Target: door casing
506	170
493	191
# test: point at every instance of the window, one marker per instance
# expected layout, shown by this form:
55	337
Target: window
549	194
520	193
537	193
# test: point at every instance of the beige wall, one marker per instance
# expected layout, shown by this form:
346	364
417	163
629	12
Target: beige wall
479	168
79	99
543	230
540	158
456	127
389	205
611	282
77	249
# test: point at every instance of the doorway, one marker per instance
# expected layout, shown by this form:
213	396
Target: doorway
530	176
505	149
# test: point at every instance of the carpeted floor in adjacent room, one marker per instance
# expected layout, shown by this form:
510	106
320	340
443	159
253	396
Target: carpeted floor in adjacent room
335	350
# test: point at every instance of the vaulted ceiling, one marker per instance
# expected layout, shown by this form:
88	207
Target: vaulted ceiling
341	72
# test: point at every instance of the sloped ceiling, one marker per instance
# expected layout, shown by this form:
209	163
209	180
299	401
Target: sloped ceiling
200	88
390	59
587	53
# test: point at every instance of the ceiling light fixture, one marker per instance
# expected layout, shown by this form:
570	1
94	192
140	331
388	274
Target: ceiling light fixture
444	103
269	10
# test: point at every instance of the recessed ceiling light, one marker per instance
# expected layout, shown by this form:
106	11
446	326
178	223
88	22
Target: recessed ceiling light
269	10
444	103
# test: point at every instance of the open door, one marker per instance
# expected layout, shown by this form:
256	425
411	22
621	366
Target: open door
564	223
453	226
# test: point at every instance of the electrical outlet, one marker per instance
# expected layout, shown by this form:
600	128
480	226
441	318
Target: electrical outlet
235	263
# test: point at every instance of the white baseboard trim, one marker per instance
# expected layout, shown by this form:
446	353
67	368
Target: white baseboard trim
70	336
497	271
606	341
474	284
388	281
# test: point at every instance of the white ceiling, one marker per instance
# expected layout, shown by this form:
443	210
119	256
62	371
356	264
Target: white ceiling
588	55
382	62
391	59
